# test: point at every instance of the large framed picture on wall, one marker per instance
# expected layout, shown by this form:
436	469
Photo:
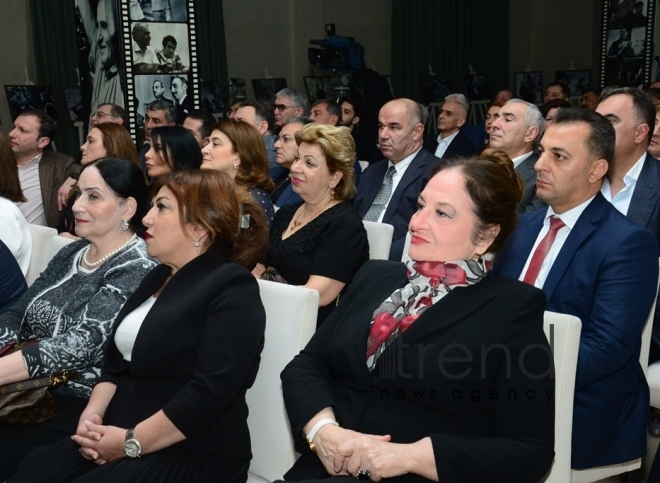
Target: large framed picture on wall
627	43
121	40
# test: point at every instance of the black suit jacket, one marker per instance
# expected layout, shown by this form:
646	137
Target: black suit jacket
454	375
528	174
460	146
195	356
403	202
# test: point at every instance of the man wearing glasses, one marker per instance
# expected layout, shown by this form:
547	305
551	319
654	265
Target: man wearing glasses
289	103
109	112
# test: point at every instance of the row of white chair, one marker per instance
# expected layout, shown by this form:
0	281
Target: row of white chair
290	326
46	243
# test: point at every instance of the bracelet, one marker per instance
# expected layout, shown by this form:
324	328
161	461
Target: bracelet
315	429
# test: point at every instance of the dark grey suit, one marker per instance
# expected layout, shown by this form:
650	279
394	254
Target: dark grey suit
528	174
644	210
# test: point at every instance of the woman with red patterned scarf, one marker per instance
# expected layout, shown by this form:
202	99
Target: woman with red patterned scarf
433	370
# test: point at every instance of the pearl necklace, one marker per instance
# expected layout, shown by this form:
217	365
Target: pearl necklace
109	255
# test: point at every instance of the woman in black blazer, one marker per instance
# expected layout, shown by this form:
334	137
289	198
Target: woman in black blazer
433	370
170	404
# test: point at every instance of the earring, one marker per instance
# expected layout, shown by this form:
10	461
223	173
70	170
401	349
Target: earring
332	194
196	242
124	225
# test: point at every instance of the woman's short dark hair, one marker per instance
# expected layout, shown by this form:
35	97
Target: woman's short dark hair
495	190
177	147
126	180
236	224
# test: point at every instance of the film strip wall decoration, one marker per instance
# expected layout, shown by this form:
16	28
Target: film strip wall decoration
627	43
160	58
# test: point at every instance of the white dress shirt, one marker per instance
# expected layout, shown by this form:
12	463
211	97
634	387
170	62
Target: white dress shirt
569	218
443	144
520	159
621	200
33	208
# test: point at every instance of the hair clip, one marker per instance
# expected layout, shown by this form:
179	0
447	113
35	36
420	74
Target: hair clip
245	221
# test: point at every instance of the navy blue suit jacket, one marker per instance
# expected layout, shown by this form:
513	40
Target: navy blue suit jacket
605	274
644	210
460	146
403	202
645	203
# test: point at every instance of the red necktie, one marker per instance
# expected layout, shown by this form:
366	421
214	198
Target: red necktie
542	250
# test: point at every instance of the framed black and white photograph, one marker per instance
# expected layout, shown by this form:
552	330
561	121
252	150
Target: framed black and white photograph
211	97
150	88
316	87
158	10
21	97
434	88
529	86
476	87
265	89
576	80
627	43
627	13
100	59
161	56
73	97
160	48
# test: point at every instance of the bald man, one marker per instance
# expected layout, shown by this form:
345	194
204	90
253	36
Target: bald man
400	176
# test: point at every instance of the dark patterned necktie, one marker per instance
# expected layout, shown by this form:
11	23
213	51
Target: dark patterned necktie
382	197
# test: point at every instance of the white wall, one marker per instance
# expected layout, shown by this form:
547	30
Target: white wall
276	34
16	42
551	35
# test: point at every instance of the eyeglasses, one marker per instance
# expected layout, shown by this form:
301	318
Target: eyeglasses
101	115
282	107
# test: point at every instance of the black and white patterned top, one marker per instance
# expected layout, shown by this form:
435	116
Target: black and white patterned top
72	311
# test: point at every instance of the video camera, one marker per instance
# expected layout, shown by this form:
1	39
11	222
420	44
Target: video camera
336	53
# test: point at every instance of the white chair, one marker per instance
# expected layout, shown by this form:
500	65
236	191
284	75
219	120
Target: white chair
563	333
290	323
41	237
56	244
653	378
380	239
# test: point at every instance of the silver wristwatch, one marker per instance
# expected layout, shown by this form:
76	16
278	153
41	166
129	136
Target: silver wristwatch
132	447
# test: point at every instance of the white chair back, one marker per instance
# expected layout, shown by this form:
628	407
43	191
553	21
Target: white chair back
290	323
380	239
563	333
56	244
41	237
